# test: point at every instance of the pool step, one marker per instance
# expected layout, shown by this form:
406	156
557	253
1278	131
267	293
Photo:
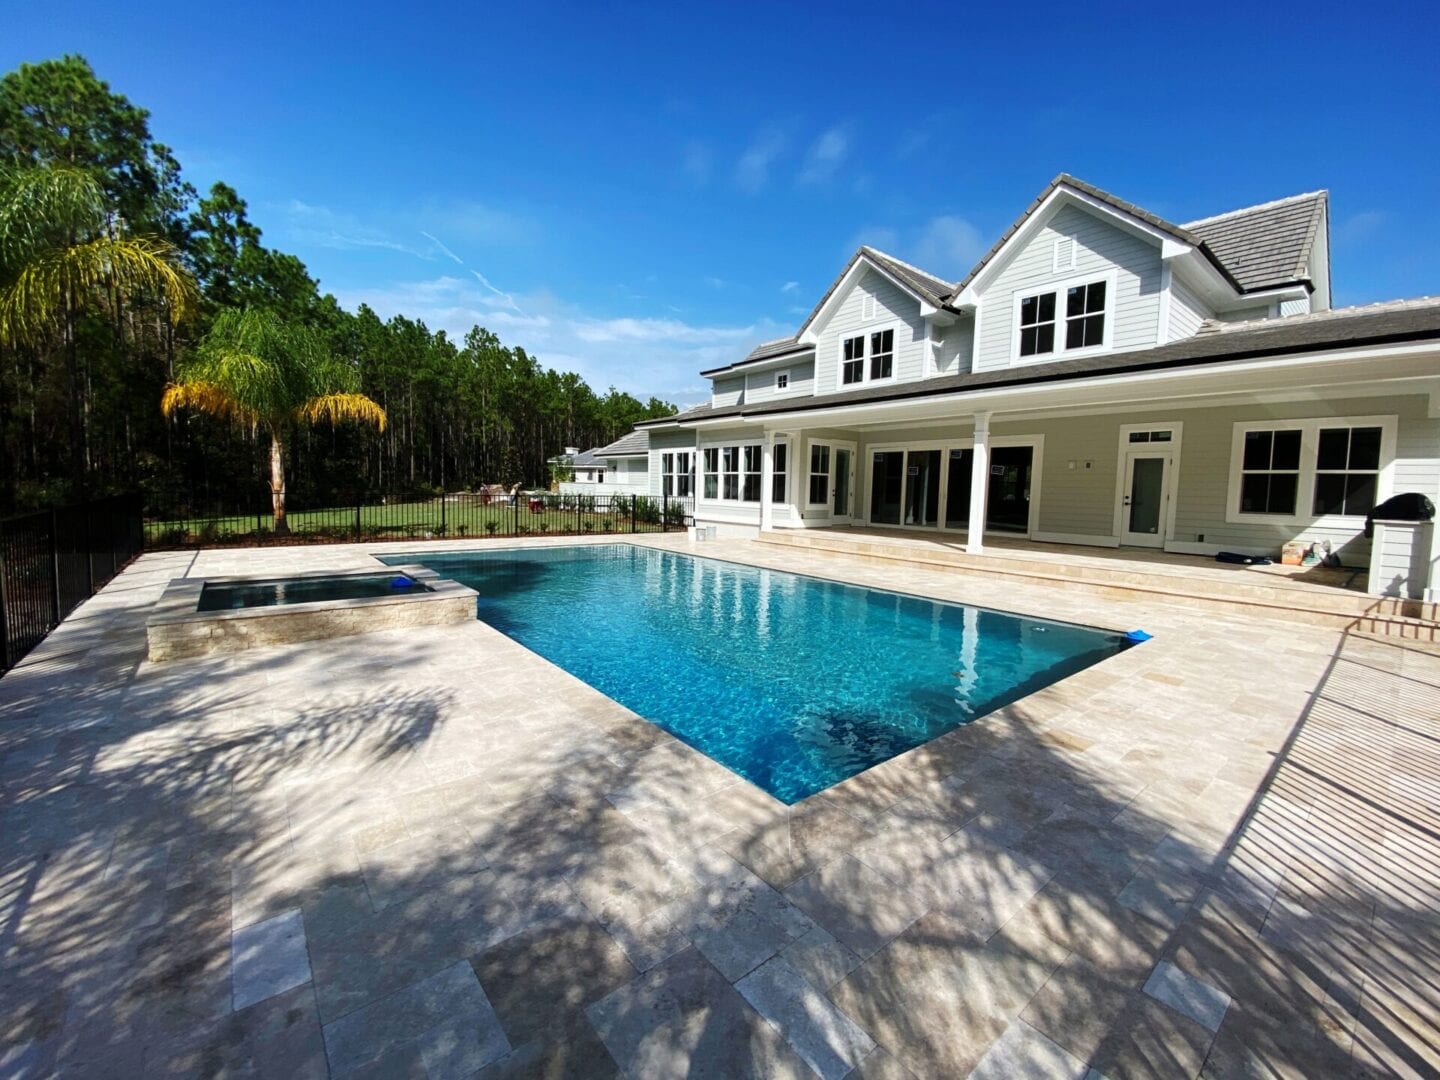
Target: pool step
1317	605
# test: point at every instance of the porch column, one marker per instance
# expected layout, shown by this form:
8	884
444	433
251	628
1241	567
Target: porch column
979	485
767	487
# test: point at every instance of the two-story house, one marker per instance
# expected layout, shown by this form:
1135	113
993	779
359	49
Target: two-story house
1100	377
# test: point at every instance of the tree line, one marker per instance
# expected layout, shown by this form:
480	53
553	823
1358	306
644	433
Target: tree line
80	390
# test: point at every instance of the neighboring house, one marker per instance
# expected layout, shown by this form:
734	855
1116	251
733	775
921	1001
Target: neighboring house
586	472
1102	376
621	468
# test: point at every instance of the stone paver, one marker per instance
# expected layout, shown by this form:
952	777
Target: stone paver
433	853
268	958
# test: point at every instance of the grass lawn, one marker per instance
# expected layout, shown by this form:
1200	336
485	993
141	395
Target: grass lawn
451	517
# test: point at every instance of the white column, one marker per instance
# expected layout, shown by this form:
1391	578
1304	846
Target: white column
979	485
767	486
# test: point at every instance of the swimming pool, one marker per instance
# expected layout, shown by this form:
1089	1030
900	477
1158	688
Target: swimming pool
795	683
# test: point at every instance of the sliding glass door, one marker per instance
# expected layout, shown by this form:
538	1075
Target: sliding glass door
887	482
907	485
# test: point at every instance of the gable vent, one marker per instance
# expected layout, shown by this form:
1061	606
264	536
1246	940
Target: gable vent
1065	253
867	307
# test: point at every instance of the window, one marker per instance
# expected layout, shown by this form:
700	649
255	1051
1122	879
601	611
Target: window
781	465
1037	325
1149	436
1085	315
730	472
599	476
819	474
852	366
675	475
750	480
1270	472
782	380
882	354
711	460
1347	470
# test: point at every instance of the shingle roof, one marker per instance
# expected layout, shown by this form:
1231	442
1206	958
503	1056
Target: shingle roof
1390	323
587	457
934	289
1267	245
632	445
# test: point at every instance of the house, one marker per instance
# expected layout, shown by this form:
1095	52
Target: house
586	473
1101	377
620	468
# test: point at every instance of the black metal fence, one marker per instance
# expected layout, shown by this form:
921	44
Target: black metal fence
453	516
52	560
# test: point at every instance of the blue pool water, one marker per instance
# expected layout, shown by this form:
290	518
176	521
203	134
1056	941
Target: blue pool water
794	683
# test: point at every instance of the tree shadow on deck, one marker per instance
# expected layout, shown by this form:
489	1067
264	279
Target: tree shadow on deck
624	902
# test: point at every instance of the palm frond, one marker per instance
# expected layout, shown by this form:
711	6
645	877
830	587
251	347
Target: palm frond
42	207
31	303
206	397
337	407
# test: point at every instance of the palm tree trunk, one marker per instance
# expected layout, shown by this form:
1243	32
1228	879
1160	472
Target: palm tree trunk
277	483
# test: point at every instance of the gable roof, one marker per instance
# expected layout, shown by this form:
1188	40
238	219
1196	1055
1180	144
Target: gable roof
1115	203
1393	322
635	444
1267	245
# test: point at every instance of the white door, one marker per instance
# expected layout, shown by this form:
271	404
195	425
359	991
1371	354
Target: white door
1145	500
831	487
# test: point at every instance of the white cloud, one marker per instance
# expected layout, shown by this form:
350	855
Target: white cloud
752	171
825	156
946	245
443	249
305	223
714	282
790	286
1359	226
641	354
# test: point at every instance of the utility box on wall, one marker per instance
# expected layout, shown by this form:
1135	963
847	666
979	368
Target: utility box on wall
1402	559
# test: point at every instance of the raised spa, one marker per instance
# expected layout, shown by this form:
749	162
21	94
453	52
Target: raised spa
199	616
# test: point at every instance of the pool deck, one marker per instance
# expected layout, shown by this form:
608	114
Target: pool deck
429	852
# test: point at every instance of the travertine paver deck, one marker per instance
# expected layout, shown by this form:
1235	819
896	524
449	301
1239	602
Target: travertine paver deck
1215	854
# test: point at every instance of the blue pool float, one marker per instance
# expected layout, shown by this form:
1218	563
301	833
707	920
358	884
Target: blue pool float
1138	635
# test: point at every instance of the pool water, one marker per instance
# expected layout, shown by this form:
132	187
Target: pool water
793	682
228	596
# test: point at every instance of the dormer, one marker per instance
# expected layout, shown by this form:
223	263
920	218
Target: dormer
1082	273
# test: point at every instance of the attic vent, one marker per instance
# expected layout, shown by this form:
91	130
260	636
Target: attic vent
867	307
1064	253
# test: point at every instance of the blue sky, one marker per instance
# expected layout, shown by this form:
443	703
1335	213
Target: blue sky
636	192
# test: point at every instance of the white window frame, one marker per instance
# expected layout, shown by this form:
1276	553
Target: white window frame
1060	288
782	374
671	473
810	473
779	472
722	472
866	352
1309	428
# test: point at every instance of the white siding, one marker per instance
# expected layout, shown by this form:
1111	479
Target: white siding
1100	247
1187	310
728	391
761	385
957	347
1246	314
893	307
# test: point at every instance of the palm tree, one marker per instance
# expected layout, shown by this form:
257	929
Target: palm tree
257	370
62	250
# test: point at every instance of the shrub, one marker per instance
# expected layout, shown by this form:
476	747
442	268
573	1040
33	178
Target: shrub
491	526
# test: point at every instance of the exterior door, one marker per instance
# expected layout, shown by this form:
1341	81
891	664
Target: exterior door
1146	500
832	481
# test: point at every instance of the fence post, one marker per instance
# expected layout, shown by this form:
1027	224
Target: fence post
4	620
632	512
357	519
55	564
442	511
515	513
